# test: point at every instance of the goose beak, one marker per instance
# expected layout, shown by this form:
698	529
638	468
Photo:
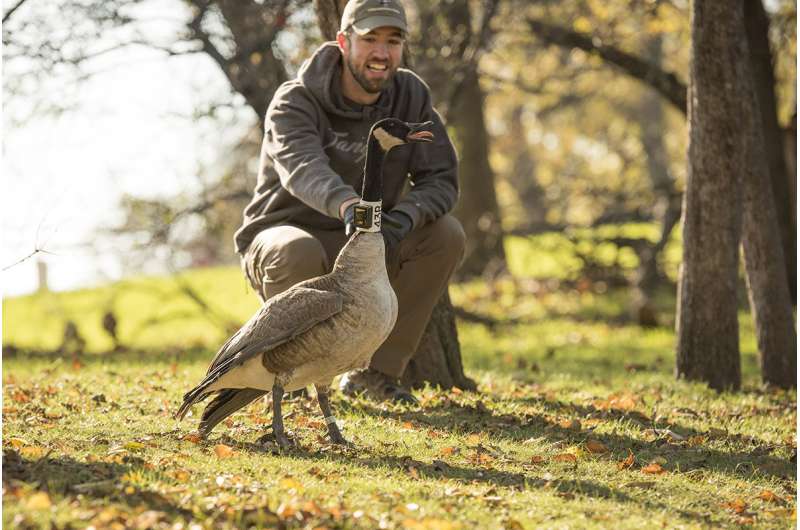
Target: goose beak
418	132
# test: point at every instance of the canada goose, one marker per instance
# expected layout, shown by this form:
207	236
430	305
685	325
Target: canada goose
321	327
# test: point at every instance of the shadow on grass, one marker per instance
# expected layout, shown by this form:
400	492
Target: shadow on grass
66	476
467	419
439	470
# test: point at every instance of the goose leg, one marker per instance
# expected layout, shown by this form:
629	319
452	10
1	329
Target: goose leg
278	429
330	419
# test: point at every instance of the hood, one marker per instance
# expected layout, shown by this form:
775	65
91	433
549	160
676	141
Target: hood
321	75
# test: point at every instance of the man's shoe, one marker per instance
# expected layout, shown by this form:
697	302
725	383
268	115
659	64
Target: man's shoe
377	386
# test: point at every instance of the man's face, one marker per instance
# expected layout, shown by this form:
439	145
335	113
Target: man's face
373	58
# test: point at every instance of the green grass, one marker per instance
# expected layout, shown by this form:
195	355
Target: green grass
566	394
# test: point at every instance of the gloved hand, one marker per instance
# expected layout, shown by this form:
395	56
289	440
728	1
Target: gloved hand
395	226
349	220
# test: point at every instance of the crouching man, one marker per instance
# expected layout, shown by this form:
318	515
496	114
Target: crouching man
312	163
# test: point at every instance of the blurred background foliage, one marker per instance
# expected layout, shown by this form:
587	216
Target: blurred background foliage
587	161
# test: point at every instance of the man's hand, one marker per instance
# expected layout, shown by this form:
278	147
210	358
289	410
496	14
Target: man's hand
395	227
349	219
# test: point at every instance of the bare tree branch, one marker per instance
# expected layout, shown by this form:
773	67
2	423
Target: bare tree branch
11	10
666	83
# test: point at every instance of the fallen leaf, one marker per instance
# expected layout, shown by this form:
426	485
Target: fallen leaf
628	462
595	446
565	457
473	439
573	425
133	446
193	437
16	443
653	469
38	501
737	505
223	451
32	451
448	451
769	496
290	483
537	459
694	441
407	425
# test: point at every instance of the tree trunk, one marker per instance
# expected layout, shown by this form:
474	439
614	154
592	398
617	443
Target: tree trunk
477	206
522	176
707	326
438	358
767	285
757	29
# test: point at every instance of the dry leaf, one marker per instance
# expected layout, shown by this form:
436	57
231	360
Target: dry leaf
473	439
653	469
537	459
193	437
32	451
628	462
290	483
565	457
594	446
448	451
133	446
769	496
573	425
694	441
737	505
38	501
16	443
408	425
223	451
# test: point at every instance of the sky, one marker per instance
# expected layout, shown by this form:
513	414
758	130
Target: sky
63	176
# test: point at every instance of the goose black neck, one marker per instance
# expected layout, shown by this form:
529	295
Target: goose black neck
373	171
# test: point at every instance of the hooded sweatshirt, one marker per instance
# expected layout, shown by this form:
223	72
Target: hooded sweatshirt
314	149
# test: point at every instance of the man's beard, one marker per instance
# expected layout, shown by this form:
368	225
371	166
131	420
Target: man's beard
371	87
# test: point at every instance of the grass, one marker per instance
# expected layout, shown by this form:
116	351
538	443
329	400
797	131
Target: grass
566	396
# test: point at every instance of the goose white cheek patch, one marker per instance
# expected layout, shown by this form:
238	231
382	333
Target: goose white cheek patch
367	216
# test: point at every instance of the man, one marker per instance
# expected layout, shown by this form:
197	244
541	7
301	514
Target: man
312	163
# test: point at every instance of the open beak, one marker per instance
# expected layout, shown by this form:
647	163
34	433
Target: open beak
418	132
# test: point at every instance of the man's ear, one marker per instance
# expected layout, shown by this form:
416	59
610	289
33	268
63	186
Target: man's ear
342	41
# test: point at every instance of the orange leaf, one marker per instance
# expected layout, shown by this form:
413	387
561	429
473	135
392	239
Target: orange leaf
574	425
628	462
565	457
193	437
536	459
448	451
408	425
223	451
737	505
594	446
768	496
653	469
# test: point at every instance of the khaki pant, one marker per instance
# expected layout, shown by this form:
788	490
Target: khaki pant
419	270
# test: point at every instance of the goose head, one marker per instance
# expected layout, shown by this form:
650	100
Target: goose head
384	136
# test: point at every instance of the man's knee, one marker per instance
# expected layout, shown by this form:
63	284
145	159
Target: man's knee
301	256
281	257
448	235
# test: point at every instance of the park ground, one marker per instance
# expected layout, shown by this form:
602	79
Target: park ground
578	422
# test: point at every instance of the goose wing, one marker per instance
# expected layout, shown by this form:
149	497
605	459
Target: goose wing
282	318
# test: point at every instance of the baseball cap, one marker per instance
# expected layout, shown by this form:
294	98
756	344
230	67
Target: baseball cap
365	15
